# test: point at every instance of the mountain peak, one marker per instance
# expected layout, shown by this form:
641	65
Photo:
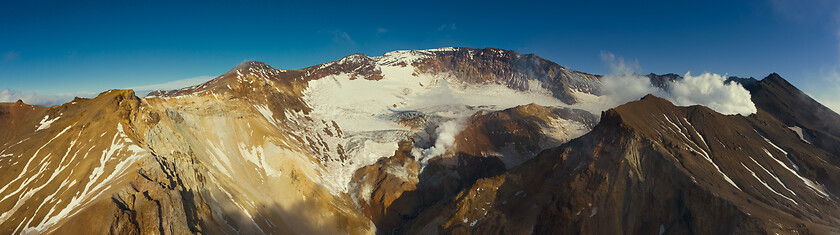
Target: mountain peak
641	114
775	78
775	81
353	59
745	82
253	68
649	96
654	101
247	66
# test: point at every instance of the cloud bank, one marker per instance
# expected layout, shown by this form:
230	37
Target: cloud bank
708	89
711	91
142	91
30	97
172	85
8	95
10	56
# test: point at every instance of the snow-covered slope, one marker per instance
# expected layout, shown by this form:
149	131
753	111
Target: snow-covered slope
372	113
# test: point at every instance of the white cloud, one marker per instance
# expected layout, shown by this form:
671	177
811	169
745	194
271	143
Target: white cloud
804	11
447	27
381	31
619	89
142	91
827	91
172	85
830	101
345	37
618	66
710	90
341	37
8	95
338	36
10	55
30	97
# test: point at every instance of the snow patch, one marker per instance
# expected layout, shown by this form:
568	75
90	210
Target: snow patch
803	135
774	177
120	144
774	145
814	187
365	110
766	185
267	114
45	123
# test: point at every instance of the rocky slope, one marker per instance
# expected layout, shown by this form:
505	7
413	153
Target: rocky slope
517	134
778	98
19	119
651	167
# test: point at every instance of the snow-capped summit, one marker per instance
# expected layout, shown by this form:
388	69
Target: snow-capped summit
253	67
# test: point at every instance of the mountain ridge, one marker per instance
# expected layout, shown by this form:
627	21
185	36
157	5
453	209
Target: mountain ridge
450	140
513	209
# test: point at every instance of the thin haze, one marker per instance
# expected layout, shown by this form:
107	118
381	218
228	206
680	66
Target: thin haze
63	49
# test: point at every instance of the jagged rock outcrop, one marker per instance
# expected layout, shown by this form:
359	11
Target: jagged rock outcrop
512	69
376	187
663	81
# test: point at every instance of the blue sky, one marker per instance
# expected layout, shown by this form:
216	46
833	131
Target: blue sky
60	49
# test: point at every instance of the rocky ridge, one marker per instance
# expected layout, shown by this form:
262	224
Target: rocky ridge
650	156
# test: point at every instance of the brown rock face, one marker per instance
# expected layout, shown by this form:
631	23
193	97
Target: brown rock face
18	118
490	65
652	167
392	192
517	134
375	187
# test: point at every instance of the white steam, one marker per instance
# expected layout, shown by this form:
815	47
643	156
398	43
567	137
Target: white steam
710	90
620	89
445	139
